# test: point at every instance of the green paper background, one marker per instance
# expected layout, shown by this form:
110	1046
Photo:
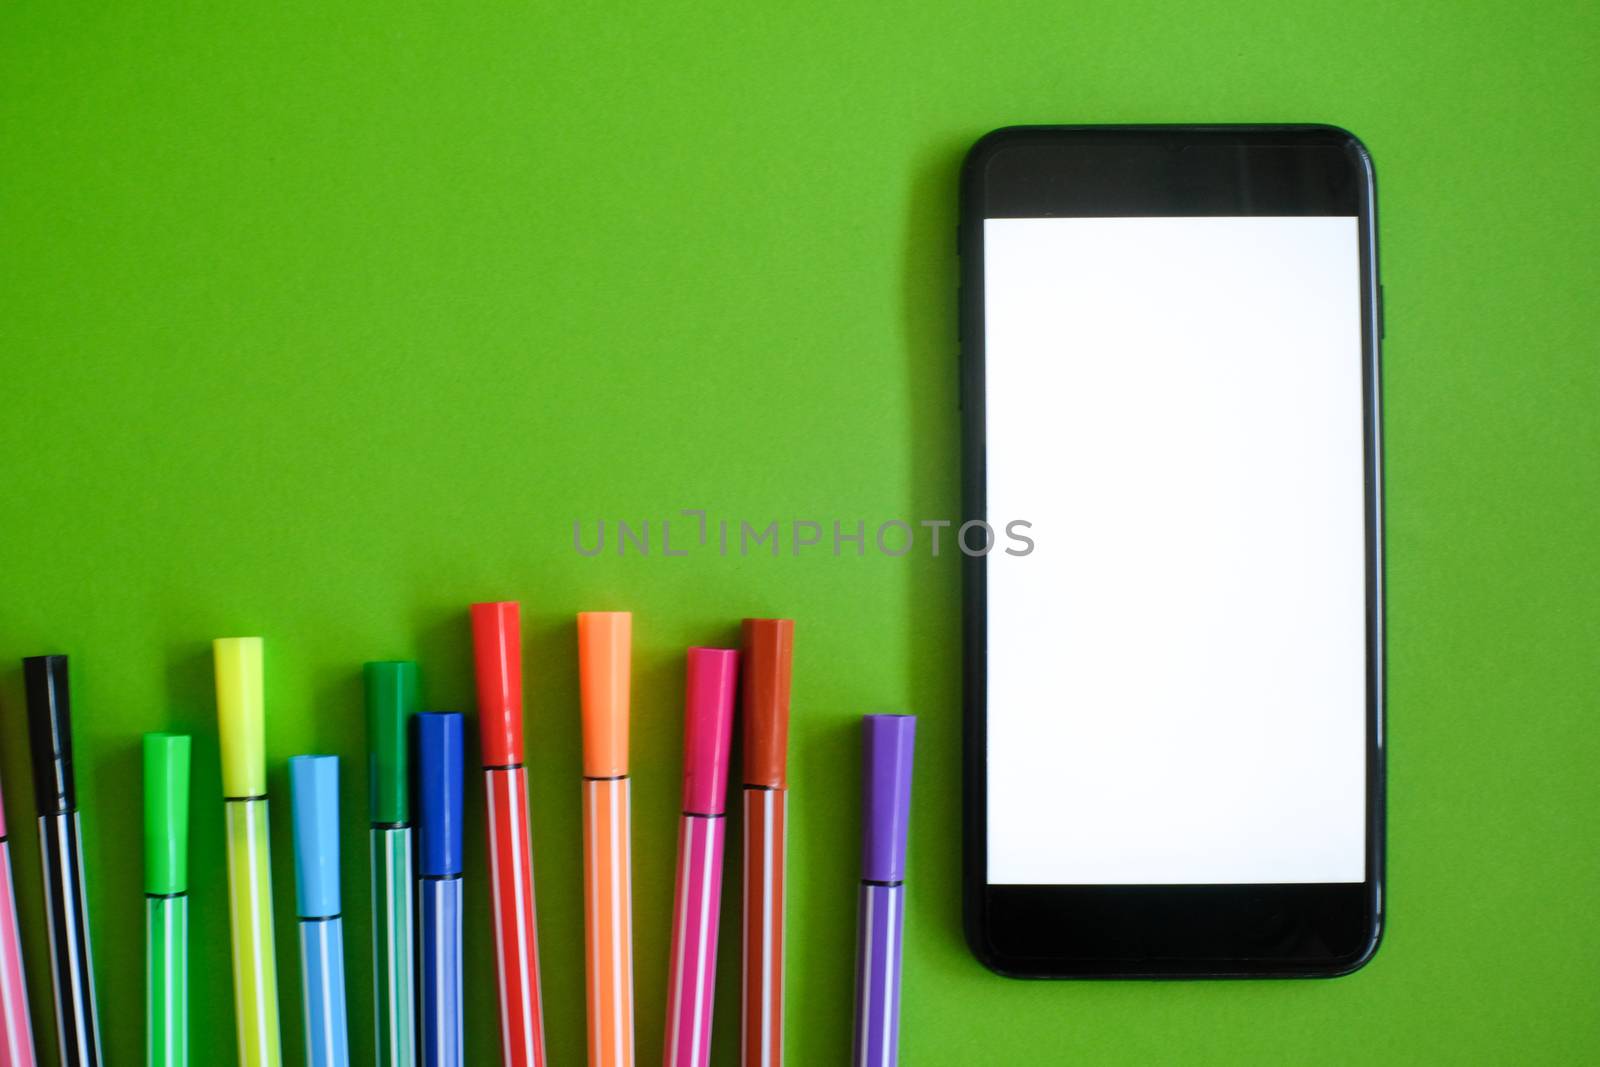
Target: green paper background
320	321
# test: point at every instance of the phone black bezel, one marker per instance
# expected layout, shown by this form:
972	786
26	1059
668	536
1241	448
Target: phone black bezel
1165	931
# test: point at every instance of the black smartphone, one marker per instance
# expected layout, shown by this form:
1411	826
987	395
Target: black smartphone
1174	760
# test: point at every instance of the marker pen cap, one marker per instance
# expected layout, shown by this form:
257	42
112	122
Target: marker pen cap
764	700
605	646
439	769
393	696
497	652
240	716
887	747
50	733
708	728
166	814
314	797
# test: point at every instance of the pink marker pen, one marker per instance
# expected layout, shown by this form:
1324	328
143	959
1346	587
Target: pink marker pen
16	1031
708	732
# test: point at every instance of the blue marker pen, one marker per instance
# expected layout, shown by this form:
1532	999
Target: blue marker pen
439	764
314	794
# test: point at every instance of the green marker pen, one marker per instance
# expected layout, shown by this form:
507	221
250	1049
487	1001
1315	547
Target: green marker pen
392	698
166	899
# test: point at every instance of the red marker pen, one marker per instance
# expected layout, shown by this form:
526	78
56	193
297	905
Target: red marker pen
497	650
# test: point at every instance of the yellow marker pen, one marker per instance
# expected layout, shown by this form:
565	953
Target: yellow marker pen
244	794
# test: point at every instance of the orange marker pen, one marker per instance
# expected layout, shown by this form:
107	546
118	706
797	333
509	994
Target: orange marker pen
605	640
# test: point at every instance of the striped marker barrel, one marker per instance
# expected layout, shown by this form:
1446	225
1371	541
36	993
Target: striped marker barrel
393	960
16	1029
66	902
322	985
67	913
882	925
166	921
442	1043
608	922
255	963
511	890
765	819
694	941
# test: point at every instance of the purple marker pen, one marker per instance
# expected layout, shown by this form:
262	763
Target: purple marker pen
888	746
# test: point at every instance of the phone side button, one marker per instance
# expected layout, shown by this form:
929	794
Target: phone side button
1382	304
961	318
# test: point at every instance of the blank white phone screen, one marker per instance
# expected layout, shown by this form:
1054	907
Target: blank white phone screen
1177	671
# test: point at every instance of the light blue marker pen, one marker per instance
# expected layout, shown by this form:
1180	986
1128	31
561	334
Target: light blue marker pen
439	762
314	794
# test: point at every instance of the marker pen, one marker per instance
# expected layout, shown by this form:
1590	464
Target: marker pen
166	899
61	853
497	649
888	749
392	698
605	642
242	730
314	807
16	1028
764	699
692	973
440	764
